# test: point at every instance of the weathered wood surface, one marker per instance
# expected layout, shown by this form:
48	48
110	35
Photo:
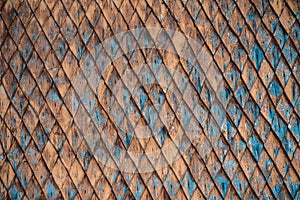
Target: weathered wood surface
46	43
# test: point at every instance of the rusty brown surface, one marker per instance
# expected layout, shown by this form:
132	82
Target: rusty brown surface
46	43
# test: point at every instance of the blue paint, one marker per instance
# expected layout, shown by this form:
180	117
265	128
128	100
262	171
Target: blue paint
88	66
89	101
68	30
279	127
213	132
239	185
239	54
17	69
293	187
252	16
273	24
230	167
214	197
271	113
214	168
224	94
296	31
70	192
276	150
290	53
275	89
36	193
98	118
265	196
252	110
23	177
297	106
233	76
1	158
222	149
126	98
234	113
23	139
294	126
227	8
273	50
33	35
251	77
79	48
280	35
238	27
114	176
46	117
184	114
214	39
171	186
122	188
31	151
295	93
147	77
156	64
112	49
286	109
26	51
238	147
86	157
156	184
138	189
14	193
14	156
218	113
197	79
12	122
229	130
285	169
162	135
257	55
117	153
241	95
256	146
200	113
189	184
258	97
41	138
223	183
60	47
158	98
127	139
85	34
58	80
51	191
285	71
267	164
195	11
233	39
276	188
150	115
20	71
264	37
146	42
142	98
53	96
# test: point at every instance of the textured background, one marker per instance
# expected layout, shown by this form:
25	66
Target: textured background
45	43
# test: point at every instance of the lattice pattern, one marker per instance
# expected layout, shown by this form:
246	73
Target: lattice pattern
47	44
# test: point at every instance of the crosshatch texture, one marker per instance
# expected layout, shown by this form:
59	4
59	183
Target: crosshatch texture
252	153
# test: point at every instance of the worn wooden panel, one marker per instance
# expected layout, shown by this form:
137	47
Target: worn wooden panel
53	104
